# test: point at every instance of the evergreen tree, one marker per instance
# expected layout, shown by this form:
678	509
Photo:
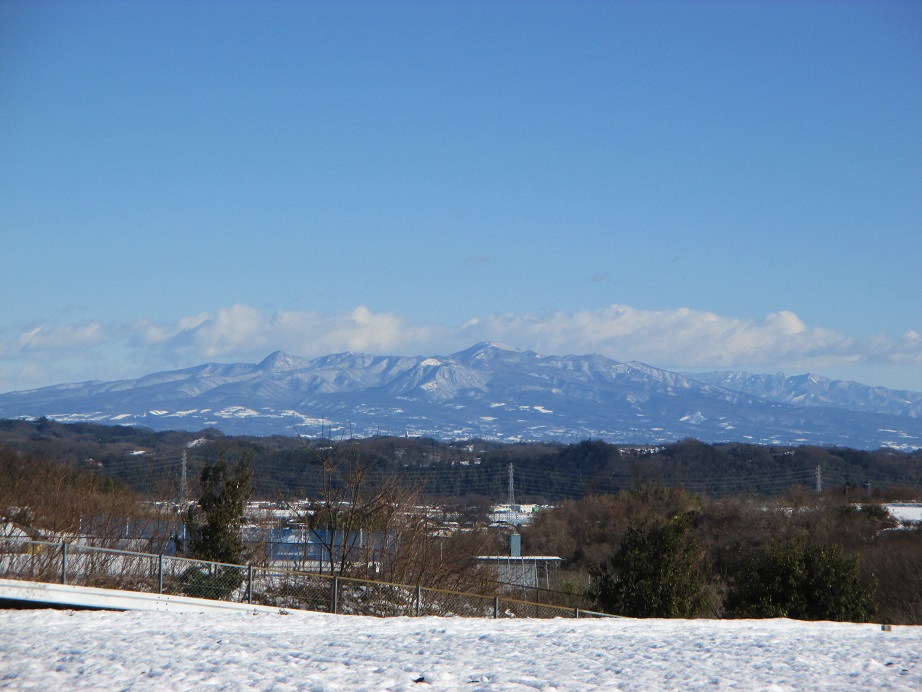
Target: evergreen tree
214	522
213	525
656	572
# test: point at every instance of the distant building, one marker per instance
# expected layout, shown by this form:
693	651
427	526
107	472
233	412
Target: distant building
514	514
515	569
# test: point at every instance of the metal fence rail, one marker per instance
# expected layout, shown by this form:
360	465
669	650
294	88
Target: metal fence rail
83	565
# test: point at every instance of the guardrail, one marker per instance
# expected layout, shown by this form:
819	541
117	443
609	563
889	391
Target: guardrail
82	565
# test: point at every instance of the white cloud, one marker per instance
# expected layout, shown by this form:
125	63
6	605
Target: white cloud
152	333
242	331
678	338
906	351
44	340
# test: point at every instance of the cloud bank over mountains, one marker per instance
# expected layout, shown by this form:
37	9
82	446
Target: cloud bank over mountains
44	353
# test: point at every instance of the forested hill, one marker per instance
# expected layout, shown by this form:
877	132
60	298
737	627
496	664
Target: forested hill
287	467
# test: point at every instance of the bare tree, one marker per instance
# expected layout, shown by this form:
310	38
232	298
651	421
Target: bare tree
53	501
369	522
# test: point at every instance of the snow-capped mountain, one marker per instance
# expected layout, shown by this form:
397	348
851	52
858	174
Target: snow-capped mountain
815	390
492	392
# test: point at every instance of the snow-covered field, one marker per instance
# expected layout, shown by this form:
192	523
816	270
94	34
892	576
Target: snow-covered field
905	511
309	651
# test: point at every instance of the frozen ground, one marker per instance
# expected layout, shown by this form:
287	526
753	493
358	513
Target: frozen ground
62	650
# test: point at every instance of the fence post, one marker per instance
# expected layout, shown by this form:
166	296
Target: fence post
335	594
63	562
576	615
160	573
419	598
495	607
249	583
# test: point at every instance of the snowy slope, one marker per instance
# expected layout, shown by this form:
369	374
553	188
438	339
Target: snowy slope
309	651
815	390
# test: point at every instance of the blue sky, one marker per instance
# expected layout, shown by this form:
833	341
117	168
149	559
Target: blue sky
696	185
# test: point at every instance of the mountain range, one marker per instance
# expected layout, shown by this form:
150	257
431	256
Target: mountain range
492	392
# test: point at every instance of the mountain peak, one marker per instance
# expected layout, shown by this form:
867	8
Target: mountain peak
279	361
486	349
491	391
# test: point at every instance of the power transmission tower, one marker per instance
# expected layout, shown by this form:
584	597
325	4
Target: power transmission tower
819	478
183	487
183	503
511	486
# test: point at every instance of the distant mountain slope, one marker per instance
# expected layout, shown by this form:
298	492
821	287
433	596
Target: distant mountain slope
486	391
815	390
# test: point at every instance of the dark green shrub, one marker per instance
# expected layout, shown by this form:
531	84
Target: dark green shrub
656	572
803	582
217	584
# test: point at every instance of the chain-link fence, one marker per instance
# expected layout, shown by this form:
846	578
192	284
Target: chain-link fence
82	565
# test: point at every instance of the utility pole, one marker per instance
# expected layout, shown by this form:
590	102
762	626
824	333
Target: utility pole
819	478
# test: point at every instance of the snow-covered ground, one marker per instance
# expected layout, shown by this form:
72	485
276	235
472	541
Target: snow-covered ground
905	511
310	651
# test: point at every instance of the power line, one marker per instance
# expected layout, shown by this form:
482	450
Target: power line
277	478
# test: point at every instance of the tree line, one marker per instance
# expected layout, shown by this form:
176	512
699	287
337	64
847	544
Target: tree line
649	551
733	514
666	552
151	463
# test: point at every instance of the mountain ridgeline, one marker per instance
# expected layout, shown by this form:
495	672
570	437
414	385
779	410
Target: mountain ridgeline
489	392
